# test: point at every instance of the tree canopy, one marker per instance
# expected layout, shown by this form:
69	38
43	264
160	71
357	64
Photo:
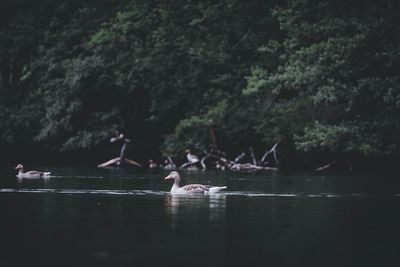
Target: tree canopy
320	77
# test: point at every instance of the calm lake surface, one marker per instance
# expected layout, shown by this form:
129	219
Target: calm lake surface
126	217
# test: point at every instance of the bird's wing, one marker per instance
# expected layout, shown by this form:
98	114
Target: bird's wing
196	188
192	158
33	173
36	173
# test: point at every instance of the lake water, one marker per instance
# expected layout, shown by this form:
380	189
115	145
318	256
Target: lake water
116	217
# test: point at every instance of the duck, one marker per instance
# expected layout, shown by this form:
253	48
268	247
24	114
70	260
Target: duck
191	189
30	174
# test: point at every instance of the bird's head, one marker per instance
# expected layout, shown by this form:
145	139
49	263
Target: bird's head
19	166
174	175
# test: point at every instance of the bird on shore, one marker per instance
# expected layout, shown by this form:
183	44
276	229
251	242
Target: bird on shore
30	174
191	188
192	158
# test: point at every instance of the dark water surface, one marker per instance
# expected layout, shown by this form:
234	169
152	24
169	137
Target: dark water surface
113	217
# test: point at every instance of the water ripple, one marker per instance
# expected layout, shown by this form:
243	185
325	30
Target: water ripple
84	191
227	193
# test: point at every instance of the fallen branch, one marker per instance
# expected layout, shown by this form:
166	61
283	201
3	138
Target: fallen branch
273	151
326	166
190	163
252	156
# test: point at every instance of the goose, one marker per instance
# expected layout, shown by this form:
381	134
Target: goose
192	161
190	188
30	174
192	158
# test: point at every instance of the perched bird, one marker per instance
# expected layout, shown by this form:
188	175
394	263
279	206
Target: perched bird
191	188
192	158
30	174
169	164
152	164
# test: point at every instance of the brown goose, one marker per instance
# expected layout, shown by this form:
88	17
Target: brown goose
30	174
190	188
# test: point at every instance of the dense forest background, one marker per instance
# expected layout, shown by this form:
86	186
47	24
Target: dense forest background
322	78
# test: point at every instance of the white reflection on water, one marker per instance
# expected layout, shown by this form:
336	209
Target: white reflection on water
211	207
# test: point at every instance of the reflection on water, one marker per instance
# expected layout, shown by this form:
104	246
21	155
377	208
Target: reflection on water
211	206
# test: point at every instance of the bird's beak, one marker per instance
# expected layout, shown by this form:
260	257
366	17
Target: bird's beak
168	177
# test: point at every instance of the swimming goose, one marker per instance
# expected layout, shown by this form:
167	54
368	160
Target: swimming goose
30	174
190	188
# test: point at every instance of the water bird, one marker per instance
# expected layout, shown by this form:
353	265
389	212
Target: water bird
30	174
192	158
191	188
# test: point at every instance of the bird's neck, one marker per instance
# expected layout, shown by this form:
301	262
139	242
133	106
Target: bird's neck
21	171
176	184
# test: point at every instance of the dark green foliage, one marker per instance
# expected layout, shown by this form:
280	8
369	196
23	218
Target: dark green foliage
320	76
336	70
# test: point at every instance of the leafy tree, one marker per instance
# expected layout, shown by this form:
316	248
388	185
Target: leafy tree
330	87
320	76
